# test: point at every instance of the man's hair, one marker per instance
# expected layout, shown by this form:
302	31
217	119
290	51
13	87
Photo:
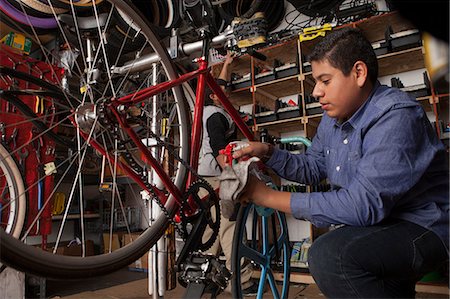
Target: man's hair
343	48
208	91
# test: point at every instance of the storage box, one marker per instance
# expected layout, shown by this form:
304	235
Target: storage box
286	70
383	49
288	112
406	42
17	41
307	67
265	117
243	82
264	77
72	248
115	242
141	264
417	91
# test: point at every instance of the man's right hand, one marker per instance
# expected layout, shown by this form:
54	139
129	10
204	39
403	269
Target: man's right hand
254	149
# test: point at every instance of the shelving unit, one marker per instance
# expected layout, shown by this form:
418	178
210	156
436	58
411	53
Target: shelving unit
302	83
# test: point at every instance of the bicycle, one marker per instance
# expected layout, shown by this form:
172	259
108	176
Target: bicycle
135	118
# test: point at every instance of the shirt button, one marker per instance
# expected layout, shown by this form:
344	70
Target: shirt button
328	152
345	141
338	168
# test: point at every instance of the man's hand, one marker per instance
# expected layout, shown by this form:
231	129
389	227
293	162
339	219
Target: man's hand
254	149
229	58
250	191
260	194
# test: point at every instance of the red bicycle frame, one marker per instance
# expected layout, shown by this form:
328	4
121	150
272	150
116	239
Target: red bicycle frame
204	78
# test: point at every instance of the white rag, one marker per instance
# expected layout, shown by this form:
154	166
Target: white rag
233	179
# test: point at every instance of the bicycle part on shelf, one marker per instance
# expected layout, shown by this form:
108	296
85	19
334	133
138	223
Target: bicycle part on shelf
203	273
206	199
313	8
250	32
269	251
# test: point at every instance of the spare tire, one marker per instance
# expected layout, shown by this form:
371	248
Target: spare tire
315	8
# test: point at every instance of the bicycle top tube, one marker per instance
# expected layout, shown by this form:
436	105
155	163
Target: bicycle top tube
156	89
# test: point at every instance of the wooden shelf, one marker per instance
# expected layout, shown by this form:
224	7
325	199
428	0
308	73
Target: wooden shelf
434	288
374	28
281	87
282	126
402	61
271	90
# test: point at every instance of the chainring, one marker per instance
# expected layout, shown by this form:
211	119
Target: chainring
204	206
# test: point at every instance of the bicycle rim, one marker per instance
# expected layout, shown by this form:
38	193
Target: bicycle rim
12	198
74	76
254	245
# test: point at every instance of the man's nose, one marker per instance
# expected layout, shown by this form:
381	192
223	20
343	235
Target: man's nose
317	92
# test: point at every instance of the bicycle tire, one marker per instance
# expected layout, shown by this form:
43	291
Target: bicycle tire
15	189
32	260
265	256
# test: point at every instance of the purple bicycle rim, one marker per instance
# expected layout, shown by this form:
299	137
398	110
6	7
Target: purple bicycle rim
18	16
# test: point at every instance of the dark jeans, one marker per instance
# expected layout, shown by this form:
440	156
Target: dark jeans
382	261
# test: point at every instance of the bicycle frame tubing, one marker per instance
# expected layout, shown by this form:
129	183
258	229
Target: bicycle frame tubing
204	77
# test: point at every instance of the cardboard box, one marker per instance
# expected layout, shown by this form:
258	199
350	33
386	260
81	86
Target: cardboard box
75	249
140	264
116	241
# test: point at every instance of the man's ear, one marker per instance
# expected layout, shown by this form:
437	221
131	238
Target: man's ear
361	72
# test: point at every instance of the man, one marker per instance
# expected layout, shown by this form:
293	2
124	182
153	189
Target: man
388	172
218	131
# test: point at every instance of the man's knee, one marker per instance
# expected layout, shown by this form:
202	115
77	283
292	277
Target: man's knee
325	248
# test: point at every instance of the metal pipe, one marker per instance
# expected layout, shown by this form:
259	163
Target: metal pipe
145	62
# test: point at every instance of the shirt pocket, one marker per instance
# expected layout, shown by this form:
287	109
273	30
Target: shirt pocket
353	159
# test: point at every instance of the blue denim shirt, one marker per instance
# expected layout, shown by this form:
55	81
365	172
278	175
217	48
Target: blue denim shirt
385	161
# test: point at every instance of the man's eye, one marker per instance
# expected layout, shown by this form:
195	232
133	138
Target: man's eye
326	82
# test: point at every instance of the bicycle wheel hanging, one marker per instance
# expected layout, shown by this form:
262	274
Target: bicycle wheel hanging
58	99
273	10
12	195
261	238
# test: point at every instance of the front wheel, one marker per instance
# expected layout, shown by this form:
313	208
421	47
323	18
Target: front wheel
261	238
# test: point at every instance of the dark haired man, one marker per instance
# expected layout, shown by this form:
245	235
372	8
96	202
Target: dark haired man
389	176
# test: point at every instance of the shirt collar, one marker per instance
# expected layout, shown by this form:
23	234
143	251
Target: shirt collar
356	117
